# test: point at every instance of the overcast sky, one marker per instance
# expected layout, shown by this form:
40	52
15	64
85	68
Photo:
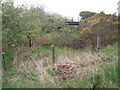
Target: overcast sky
72	8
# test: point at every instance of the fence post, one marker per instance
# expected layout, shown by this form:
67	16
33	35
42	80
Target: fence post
4	61
98	42
53	54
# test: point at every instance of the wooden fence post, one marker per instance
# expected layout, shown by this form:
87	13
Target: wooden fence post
53	54
4	61
98	42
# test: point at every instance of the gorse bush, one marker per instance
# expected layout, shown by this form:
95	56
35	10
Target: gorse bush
100	25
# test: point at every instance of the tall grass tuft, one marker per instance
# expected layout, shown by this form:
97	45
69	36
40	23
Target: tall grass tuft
111	73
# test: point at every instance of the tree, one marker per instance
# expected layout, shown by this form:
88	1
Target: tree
11	23
33	20
53	23
86	14
21	25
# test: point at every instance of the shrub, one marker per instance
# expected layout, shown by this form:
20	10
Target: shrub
100	25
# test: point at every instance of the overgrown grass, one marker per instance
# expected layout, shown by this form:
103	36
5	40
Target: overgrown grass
37	51
8	57
105	77
111	74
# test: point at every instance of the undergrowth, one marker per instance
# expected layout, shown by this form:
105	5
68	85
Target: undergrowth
93	69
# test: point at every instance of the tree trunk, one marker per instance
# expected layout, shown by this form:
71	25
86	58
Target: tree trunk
30	42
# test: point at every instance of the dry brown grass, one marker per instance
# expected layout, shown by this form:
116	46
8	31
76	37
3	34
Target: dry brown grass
85	64
69	66
85	58
34	65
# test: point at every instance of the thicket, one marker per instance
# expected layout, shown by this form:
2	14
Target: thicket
100	25
22	26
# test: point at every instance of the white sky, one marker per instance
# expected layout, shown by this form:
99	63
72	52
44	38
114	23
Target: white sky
72	8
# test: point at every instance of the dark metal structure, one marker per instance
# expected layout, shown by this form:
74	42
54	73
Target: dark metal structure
72	23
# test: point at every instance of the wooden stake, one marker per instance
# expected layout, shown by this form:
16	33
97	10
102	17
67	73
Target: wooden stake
53	54
98	42
4	61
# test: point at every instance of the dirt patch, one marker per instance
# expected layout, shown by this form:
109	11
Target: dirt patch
66	71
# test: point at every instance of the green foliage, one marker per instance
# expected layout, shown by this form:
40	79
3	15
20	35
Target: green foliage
11	23
32	23
111	73
100	25
67	39
22	26
75	84
21	84
51	72
110	50
86	14
97	81
9	59
53	24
